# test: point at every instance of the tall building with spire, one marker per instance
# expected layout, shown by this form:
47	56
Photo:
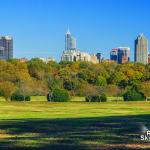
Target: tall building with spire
67	40
141	49
71	53
70	41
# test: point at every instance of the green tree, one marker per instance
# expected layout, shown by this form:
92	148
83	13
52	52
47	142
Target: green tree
133	95
101	81
60	95
69	85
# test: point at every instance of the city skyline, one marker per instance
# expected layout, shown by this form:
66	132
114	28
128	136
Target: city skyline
118	54
38	27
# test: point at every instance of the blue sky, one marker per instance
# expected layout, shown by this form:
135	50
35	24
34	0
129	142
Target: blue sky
39	26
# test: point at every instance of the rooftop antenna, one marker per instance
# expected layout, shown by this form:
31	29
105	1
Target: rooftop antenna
68	31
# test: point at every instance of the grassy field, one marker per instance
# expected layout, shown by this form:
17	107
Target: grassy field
73	99
73	125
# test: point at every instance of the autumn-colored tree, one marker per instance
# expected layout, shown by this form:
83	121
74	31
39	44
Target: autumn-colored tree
7	89
37	68
25	87
79	78
144	87
112	90
39	88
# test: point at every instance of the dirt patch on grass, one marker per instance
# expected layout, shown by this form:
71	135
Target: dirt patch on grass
3	134
145	146
127	146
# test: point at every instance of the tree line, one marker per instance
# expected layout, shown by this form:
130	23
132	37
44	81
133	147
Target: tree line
36	77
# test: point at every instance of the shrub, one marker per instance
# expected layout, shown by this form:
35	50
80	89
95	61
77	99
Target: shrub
20	97
88	98
93	98
96	98
103	98
59	95
133	95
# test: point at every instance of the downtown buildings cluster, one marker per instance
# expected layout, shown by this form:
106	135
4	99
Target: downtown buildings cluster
120	54
141	55
71	53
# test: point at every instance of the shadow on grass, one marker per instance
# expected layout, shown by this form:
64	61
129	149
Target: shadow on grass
111	133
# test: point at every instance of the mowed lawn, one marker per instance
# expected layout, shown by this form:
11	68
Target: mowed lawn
73	125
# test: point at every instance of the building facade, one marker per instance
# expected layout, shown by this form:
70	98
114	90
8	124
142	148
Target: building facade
23	59
141	49
6	47
114	55
46	60
67	40
148	58
75	55
120	55
123	55
72	43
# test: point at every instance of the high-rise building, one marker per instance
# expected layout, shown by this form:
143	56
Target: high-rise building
6	47
141	49
114	54
67	40
123	55
148	58
70	41
120	55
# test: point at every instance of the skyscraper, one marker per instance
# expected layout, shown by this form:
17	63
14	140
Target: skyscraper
114	54
70	41
148	58
120	55
67	40
6	47
123	55
141	49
